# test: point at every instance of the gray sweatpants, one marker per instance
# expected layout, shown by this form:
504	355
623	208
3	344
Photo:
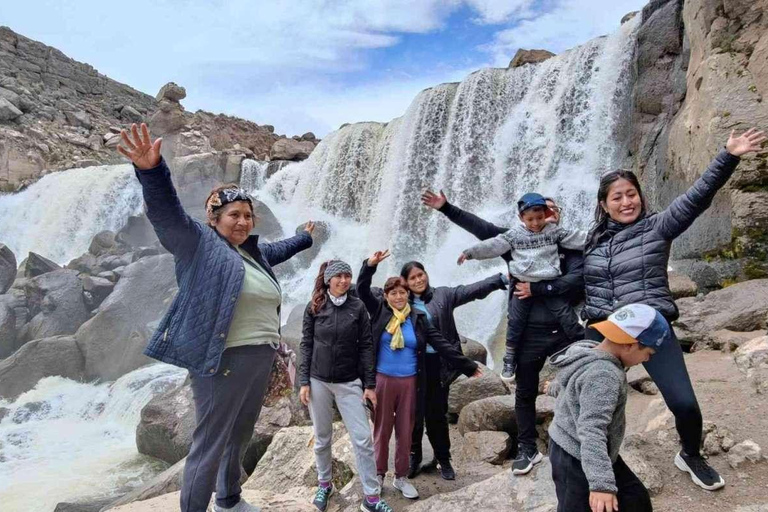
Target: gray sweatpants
349	400
227	406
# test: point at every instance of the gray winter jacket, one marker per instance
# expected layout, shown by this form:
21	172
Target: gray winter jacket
589	424
535	256
627	263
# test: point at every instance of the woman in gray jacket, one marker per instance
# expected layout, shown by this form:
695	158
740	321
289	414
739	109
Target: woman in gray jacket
626	261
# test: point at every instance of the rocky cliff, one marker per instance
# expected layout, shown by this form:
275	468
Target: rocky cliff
702	71
57	113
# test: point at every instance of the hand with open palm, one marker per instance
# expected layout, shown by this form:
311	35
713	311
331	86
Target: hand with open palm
429	198
748	142
139	148
378	257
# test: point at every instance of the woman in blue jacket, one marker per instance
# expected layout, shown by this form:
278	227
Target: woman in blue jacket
224	323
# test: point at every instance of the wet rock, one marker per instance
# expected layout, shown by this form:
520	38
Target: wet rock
55	302
36	265
166	482
320	236
474	350
94	505
102	243
289	149
7	268
137	232
523	57
86	264
491	447
113	341
166	425
7	327
745	451
267	225
95	290
466	390
47	357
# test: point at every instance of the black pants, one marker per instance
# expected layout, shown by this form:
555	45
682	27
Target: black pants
227	406
432	410
667	369
537	344
517	319
572	487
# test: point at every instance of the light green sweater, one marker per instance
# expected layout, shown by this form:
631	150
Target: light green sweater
255	321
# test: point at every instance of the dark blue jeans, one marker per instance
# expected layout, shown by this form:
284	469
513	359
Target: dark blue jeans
667	369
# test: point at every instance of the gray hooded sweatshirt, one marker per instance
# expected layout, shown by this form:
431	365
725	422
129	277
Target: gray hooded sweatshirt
589	424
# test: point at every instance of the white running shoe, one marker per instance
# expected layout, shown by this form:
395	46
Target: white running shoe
405	487
242	506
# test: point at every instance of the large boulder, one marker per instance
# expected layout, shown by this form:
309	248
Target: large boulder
474	350
7	327
137	232
633	452
742	307
497	413
171	92
467	390
534	493
95	290
682	286
267	225
37	359
102	243
523	57
113	341
752	359
8	112
290	149
7	268
487	446
36	265
166	482
55	302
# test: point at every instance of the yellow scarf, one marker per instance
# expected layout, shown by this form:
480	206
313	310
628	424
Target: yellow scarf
393	327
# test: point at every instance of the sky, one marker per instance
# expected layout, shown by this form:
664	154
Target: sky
306	65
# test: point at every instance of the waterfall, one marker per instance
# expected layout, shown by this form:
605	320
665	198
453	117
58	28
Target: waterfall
58	215
253	174
553	128
66	440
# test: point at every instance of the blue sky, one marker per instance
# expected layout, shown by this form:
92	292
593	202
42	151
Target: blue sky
306	65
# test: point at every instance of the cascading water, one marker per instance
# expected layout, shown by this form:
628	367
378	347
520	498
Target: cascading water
551	128
253	174
58	216
64	440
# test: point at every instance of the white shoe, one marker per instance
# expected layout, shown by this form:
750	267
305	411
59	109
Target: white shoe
380	478
242	506
405	487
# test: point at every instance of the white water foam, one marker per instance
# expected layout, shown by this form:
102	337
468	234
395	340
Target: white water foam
58	215
66	440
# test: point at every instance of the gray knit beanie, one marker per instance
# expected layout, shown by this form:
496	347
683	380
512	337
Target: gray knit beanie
335	268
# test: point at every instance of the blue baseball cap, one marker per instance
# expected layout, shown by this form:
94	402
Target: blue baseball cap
636	323
530	200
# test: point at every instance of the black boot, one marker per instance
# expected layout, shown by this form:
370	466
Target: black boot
413	465
446	470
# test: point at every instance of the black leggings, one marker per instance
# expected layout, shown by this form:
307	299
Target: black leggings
668	371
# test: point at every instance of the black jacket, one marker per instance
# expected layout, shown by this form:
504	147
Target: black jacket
425	332
628	263
336	344
443	300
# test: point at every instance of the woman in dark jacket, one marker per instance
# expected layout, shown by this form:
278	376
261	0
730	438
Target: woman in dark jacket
626	261
223	325
337	364
439	303
401	335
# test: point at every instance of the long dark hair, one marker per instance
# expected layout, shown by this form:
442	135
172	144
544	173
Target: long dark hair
406	270
320	293
601	216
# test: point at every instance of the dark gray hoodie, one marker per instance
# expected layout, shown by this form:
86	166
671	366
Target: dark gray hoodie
591	391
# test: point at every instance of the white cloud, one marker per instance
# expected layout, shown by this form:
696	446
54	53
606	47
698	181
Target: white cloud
500	11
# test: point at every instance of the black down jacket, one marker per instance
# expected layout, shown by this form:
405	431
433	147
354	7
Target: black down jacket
336	344
628	262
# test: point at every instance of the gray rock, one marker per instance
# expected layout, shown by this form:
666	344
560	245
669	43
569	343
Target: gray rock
83	506
113	341
166	482
309	136
36	265
633	452
113	261
7	268
704	274
321	235
86	264
290	149
102	243
96	289
467	390
171	92
79	118
167	422
497	413
8	112
55	303
523	57
267	225
743	452
37	359
7	327
753	354
137	232
11	96
131	115
682	286
474	350
491	447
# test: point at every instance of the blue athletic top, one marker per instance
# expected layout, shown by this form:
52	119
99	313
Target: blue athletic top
402	362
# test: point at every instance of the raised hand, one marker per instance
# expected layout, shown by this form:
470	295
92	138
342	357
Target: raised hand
378	257
429	198
309	227
748	142
139	148
462	259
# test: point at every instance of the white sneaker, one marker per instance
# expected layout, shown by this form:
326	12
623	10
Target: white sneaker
242	506
380	478
405	487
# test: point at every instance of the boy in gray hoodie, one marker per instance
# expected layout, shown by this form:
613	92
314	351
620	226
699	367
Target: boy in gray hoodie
588	428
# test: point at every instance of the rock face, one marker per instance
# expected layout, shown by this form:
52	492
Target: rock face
36	265
7	327
497	413
523	57
465	390
752	359
37	359
7	268
113	340
166	426
290	149
491	447
55	302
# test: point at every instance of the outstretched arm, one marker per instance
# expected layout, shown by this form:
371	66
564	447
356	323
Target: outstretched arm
487	249
464	294
365	278
278	252
176	230
450	352
480	228
684	210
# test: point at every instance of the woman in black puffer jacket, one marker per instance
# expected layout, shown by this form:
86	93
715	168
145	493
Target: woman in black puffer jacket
625	262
